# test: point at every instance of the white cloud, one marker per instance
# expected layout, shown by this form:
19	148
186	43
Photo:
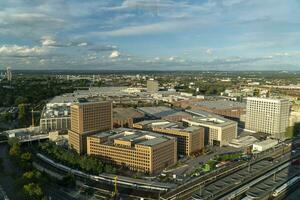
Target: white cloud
209	51
83	44
160	27
15	50
172	58
48	41
114	54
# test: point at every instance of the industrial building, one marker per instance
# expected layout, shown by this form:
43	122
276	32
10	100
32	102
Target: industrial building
190	140
229	109
268	116
264	145
219	131
138	150
125	117
55	117
164	112
87	119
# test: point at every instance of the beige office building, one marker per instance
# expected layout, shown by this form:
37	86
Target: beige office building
219	131
267	116
152	86
190	140
138	150
87	119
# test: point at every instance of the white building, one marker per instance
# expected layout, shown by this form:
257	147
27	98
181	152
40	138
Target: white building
267	116
219	131
264	145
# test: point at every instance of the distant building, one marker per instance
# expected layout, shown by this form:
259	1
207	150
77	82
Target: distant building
229	109
8	74
268	116
86	119
125	117
152	86
138	150
219	131
190	140
264	145
164	112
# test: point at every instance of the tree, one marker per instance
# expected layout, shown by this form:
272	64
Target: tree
14	150
22	116
33	191
21	100
1	164
69	180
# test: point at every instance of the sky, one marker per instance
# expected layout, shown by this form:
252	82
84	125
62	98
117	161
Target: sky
150	34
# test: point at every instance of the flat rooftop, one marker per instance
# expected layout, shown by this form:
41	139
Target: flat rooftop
53	110
203	117
125	113
146	138
164	124
221	104
158	111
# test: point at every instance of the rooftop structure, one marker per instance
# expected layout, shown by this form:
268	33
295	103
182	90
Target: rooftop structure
243	142
164	112
218	130
55	117
125	117
144	151
230	109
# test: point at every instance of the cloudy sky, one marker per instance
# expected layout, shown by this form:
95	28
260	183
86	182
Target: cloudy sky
150	34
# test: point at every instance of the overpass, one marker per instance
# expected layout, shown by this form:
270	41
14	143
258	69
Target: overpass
31	138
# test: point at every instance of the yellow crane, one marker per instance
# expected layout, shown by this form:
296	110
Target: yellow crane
32	115
115	193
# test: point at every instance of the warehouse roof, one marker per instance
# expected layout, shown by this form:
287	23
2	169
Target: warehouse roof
221	104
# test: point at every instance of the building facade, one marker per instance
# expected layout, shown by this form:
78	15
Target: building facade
268	116
190	140
87	119
138	150
219	131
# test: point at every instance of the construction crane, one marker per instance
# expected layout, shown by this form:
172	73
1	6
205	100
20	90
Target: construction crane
32	115
115	193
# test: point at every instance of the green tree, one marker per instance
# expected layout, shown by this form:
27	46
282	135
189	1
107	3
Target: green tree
21	100
33	191
14	150
69	180
23	114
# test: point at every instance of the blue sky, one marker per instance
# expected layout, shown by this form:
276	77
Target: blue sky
150	34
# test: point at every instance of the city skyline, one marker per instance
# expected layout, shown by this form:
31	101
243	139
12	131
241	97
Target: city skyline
150	35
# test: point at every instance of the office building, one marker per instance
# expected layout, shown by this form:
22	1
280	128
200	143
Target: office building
8	74
152	86
219	131
190	140
138	150
86	119
267	116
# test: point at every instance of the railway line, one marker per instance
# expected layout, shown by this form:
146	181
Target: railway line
187	190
